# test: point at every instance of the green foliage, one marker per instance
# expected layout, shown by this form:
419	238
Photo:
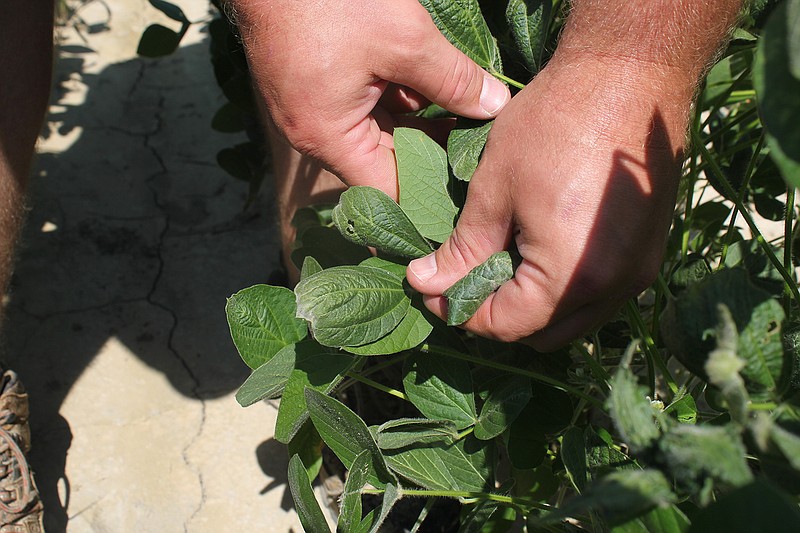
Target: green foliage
680	416
423	177
467	294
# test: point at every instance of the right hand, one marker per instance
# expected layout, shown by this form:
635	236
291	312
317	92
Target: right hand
336	75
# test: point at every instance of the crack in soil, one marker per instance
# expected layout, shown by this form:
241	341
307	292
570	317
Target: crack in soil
154	302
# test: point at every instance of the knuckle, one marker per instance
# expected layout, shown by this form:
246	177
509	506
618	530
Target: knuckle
459	83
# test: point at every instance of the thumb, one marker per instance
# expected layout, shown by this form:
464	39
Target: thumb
472	242
447	77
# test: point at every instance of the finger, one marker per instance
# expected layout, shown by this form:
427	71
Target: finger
447	77
399	99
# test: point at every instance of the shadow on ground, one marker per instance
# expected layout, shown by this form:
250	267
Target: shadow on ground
134	234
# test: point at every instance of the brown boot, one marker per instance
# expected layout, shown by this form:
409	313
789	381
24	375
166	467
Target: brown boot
20	505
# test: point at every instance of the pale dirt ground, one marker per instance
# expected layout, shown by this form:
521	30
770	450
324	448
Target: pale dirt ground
116	317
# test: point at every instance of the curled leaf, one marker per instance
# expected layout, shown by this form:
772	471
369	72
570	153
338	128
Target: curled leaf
467	294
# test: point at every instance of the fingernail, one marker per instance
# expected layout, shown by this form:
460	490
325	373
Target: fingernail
424	268
494	95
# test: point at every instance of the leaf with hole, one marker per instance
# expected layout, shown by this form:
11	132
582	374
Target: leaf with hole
351	305
467	294
370	217
423	177
758	316
262	322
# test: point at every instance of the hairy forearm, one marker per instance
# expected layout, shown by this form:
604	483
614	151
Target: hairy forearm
678	38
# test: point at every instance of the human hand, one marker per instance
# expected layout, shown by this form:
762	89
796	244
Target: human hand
335	75
581	171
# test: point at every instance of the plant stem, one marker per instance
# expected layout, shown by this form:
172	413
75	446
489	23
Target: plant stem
764	406
791	286
788	232
650	349
372	370
740	197
508	80
509	500
596	368
374	384
447	352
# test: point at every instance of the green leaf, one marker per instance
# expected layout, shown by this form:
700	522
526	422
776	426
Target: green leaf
777	89
757	506
441	388
350	504
305	503
412	330
631	411
573	457
346	435
467	294
268	380
526	444
659	520
397	269
465	146
529	22
373	521
697	453
788	443
262	322
370	217
310	267
158	41
351	305
505	402
316	367
462	22
170	10
619	497
403	432
308	445
462	466
228	119
478	517
422	175
587	456
328	247
242	161
688	319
